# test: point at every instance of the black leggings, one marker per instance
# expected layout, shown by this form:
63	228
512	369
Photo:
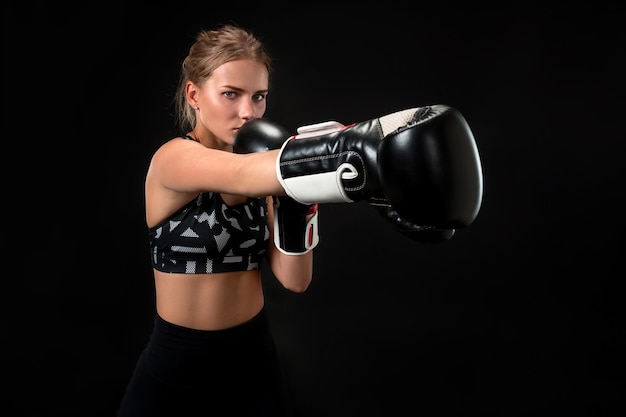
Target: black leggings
186	372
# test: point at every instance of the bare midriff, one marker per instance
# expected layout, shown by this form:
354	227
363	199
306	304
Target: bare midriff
208	301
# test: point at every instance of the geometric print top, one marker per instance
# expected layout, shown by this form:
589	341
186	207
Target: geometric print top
208	236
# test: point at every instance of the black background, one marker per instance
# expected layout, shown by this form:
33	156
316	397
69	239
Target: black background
516	315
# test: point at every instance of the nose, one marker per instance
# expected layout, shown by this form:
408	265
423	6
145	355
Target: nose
246	108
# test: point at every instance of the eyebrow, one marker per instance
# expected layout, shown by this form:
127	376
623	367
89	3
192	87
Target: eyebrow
232	87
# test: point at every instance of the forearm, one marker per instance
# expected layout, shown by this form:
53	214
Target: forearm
255	175
294	272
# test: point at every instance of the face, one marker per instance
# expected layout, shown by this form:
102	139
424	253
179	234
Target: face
235	93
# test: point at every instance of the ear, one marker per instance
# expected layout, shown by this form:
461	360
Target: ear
191	91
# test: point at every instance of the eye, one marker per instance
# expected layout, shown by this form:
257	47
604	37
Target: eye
259	97
229	94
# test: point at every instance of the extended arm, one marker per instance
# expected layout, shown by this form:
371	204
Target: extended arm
188	166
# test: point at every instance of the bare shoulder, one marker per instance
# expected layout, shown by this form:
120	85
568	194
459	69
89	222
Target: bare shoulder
176	159
170	150
164	191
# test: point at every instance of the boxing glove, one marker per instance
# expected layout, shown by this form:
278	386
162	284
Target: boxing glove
421	234
295	224
424	161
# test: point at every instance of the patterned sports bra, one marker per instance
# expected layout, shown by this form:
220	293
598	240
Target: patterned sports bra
208	236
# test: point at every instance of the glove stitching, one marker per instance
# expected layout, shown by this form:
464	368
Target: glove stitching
323	157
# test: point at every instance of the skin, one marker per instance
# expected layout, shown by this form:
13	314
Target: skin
180	169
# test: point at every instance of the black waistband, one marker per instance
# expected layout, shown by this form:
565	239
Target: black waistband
171	334
179	355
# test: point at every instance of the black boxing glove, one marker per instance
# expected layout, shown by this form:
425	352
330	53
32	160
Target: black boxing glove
295	224
424	161
421	234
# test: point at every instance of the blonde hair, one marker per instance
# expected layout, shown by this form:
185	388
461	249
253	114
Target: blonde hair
211	49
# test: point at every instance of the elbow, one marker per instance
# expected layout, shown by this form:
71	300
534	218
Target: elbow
297	288
297	285
295	273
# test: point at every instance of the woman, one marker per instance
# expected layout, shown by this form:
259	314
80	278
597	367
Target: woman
211	226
